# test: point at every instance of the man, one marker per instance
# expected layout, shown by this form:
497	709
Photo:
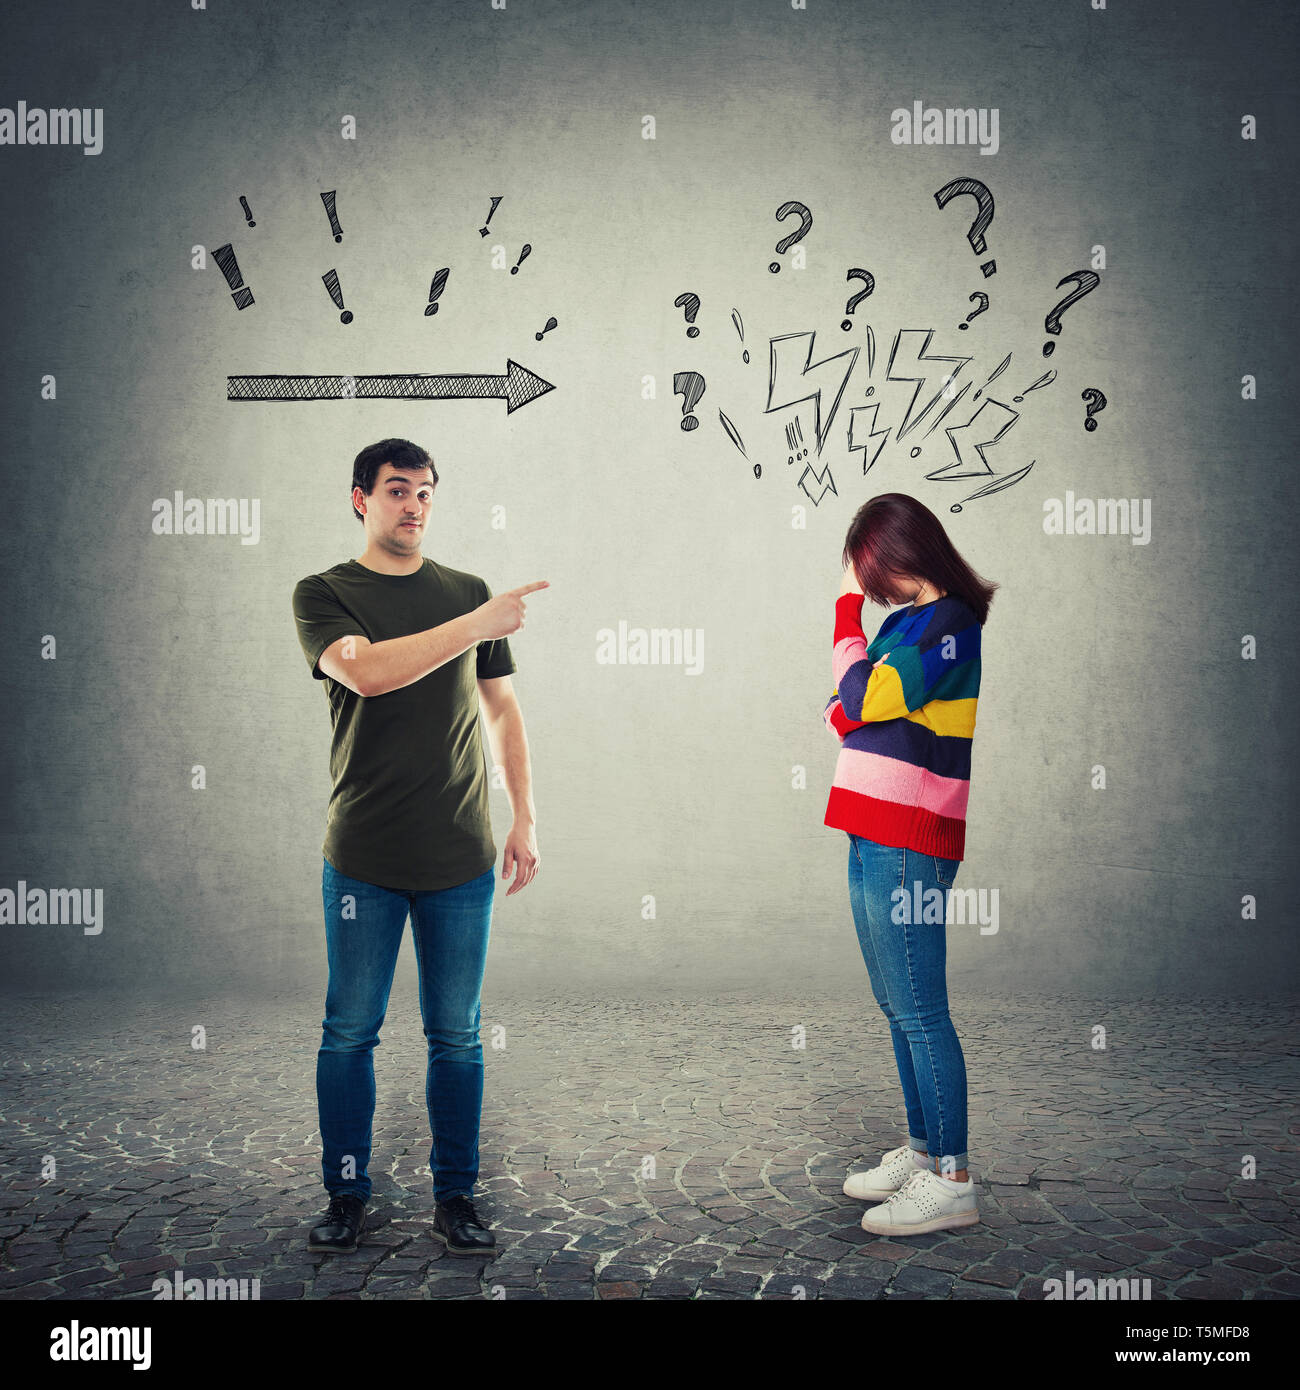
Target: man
401	643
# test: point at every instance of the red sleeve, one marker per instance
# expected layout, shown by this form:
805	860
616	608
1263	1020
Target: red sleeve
849	645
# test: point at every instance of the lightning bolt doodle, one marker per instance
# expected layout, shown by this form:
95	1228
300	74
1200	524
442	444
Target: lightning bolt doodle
947	410
824	478
862	431
908	353
989	423
791	381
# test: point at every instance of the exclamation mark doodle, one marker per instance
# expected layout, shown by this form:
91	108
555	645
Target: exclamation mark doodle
482	231
523	256
1045	380
740	328
550	323
225	258
248	212
439	284
331	279
328	200
996	485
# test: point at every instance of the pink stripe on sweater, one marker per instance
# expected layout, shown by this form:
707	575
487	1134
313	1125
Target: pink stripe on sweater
888	779
846	651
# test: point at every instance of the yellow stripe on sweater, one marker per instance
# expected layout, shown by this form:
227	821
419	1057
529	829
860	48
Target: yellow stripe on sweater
947	718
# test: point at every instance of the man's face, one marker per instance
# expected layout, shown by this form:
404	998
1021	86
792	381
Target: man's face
397	511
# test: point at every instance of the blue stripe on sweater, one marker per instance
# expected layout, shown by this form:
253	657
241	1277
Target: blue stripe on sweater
911	742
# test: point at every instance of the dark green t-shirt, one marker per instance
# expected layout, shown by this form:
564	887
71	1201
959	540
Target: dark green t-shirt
409	809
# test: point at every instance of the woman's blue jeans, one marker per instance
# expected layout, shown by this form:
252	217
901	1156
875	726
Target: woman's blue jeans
363	931
906	956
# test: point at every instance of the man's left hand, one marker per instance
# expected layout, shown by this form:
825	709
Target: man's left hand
521	855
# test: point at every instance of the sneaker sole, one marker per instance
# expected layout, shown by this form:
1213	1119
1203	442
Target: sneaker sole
919	1228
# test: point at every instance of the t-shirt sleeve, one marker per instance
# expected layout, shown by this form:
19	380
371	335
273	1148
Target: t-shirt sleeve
493	656
321	619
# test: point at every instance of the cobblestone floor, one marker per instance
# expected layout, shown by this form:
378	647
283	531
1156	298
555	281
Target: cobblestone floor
1125	1162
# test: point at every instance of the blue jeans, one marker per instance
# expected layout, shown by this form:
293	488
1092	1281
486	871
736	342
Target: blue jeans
905	962
363	931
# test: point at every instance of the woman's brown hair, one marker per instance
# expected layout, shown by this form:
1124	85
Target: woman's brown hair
894	535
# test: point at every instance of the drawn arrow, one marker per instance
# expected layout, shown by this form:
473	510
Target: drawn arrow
517	387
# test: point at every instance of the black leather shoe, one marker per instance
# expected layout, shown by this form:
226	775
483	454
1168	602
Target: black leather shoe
341	1224
456	1222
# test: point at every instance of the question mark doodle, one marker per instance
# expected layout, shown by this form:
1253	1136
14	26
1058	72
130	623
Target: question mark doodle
690	385
691	304
977	295
869	280
786	243
981	223
1087	281
1096	404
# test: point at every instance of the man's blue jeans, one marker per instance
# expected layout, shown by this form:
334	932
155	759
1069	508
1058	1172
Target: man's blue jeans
363	931
906	962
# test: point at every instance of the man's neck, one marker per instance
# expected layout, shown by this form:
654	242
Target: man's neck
383	563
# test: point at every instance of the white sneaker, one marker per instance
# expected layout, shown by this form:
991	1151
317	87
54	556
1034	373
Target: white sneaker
925	1202
886	1178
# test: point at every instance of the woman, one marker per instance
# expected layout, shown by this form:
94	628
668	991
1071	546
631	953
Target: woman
904	711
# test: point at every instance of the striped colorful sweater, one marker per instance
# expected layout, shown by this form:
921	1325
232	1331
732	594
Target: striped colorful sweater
904	711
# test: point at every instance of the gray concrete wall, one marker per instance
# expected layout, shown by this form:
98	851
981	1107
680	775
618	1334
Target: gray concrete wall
1118	129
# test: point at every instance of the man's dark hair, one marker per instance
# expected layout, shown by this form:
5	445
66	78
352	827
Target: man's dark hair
401	453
